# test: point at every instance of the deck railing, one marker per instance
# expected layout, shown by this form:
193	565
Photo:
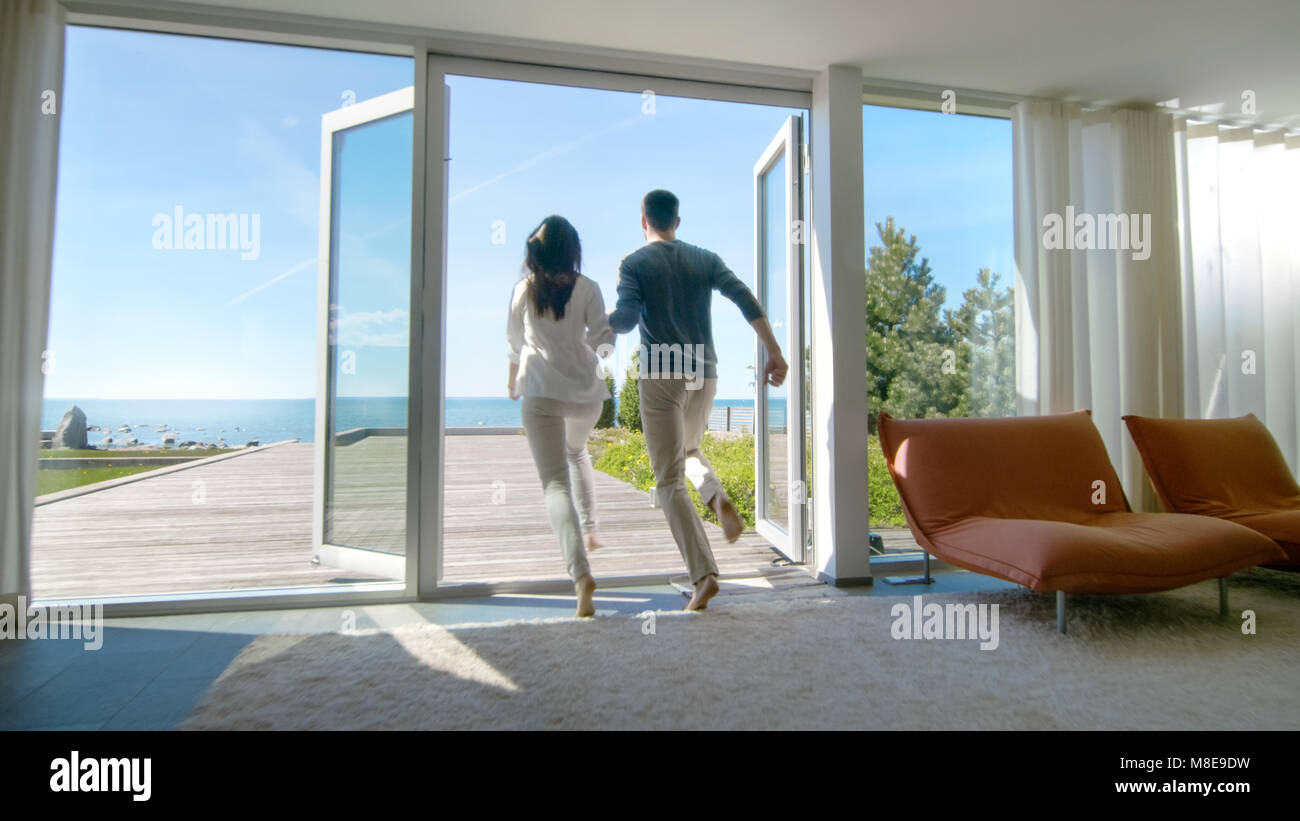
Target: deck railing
726	418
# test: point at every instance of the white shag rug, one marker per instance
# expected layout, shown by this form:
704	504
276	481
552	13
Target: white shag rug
803	659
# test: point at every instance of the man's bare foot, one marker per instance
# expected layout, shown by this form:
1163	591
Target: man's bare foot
585	587
593	541
732	527
705	589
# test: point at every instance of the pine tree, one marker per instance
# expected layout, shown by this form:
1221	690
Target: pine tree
629	398
607	419
987	321
917	366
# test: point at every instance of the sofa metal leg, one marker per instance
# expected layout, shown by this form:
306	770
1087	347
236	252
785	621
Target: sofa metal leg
1223	596
1060	611
928	578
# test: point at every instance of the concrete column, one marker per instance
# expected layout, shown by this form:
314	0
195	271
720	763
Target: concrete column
839	368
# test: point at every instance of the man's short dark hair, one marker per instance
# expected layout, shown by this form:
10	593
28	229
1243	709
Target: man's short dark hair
660	209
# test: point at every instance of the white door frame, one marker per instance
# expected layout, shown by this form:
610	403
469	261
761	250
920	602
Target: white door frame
790	539
348	557
436	265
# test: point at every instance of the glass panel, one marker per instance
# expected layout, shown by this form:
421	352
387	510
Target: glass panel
940	271
365	504
184	313
776	293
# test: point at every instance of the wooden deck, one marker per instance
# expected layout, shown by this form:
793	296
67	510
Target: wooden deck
245	523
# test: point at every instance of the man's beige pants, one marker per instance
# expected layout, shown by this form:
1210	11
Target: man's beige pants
674	419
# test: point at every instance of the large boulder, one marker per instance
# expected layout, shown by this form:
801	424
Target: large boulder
72	430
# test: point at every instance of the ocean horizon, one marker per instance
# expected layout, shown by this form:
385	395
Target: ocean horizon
237	421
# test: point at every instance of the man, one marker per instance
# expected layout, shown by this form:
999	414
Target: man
666	287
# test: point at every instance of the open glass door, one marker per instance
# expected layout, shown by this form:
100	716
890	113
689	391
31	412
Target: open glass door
779	420
363	356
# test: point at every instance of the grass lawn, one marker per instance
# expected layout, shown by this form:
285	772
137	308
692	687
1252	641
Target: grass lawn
122	452
52	481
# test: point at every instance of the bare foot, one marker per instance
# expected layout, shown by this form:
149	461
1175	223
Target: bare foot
593	541
585	587
705	589
732	527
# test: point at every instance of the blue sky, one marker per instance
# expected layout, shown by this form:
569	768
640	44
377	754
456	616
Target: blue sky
152	122
947	178
155	121
590	156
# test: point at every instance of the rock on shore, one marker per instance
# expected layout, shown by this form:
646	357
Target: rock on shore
71	433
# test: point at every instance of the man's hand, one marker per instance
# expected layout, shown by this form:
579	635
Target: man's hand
775	369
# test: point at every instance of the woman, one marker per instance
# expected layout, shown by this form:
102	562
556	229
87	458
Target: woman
557	321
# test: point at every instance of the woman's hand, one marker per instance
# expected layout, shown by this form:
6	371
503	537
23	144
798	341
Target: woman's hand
511	379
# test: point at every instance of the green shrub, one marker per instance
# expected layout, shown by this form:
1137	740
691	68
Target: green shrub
886	507
733	461
606	419
622	454
629	398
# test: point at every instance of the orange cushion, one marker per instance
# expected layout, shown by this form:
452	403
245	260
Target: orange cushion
1029	467
1110	553
1215	467
1282	527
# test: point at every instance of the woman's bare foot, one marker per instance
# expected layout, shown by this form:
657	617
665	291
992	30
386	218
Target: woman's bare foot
593	541
732	527
705	589
585	587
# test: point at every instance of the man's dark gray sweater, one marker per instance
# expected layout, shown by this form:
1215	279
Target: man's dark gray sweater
667	289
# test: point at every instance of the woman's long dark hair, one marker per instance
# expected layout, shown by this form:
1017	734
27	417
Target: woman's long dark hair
553	261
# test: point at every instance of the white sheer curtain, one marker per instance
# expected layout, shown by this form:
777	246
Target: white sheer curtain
1239	192
31	73
1099	326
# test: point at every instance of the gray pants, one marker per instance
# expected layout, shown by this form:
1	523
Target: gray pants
557	435
674	419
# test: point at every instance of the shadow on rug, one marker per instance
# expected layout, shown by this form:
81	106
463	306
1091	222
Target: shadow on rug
1162	661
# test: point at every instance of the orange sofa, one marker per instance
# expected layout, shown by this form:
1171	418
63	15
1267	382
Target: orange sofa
1035	500
1226	468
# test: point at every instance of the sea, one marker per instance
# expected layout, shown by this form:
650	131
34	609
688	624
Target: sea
238	421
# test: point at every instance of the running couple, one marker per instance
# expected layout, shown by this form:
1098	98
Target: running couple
558	322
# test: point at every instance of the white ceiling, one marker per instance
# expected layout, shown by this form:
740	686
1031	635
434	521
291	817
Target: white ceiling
1202	52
